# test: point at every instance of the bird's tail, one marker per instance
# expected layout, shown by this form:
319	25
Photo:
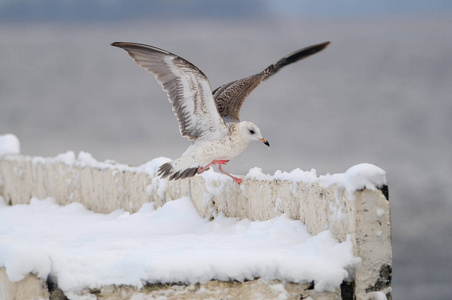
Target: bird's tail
167	169
294	57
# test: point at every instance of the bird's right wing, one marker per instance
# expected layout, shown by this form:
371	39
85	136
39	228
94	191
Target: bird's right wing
187	87
230	96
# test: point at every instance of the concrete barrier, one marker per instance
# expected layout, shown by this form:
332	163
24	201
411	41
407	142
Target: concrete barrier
359	213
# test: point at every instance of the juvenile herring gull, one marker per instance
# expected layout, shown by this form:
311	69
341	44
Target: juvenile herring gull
209	119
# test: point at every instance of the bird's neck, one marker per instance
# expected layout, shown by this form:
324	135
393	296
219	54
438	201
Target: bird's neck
236	135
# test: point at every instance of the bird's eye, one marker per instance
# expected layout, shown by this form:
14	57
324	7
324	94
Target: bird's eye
251	131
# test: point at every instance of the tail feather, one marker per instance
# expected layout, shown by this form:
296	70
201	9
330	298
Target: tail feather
167	169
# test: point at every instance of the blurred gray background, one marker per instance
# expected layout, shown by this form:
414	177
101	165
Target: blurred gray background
380	93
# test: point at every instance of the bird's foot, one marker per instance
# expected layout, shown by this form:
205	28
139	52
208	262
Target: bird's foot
202	170
237	180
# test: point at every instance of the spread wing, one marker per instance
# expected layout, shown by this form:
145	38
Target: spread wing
230	96
187	87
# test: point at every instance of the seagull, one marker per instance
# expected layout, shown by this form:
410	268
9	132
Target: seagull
210	119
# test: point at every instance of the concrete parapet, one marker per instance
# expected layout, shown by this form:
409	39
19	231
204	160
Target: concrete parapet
362	215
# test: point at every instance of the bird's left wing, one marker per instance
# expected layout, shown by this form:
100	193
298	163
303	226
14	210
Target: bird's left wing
187	87
230	96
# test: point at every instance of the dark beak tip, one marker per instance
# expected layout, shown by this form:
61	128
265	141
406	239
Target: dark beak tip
267	143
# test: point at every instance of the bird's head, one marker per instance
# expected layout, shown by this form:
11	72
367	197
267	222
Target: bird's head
249	131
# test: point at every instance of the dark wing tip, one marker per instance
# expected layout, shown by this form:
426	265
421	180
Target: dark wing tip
129	46
305	52
121	44
125	45
322	46
294	57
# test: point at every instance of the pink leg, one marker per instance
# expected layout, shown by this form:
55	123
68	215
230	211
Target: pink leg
236	179
214	162
220	162
201	170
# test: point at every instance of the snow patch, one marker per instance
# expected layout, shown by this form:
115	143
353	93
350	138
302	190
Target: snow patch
379	296
293	176
331	179
380	212
9	144
67	158
281	290
364	176
83	249
257	174
86	159
296	175
215	182
358	177
153	166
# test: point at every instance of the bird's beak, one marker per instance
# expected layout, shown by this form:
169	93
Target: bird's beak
265	142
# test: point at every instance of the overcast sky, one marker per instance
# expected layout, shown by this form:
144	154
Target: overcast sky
100	10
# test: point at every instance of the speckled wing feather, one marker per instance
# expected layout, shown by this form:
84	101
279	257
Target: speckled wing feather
230	96
187	87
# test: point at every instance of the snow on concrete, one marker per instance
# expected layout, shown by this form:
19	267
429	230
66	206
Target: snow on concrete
379	296
80	248
293	176
358	177
9	144
151	168
355	178
83	159
364	176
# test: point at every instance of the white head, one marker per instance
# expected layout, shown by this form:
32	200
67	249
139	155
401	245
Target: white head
250	132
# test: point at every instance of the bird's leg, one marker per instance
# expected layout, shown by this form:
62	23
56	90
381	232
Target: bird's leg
220	162
214	162
201	170
236	179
